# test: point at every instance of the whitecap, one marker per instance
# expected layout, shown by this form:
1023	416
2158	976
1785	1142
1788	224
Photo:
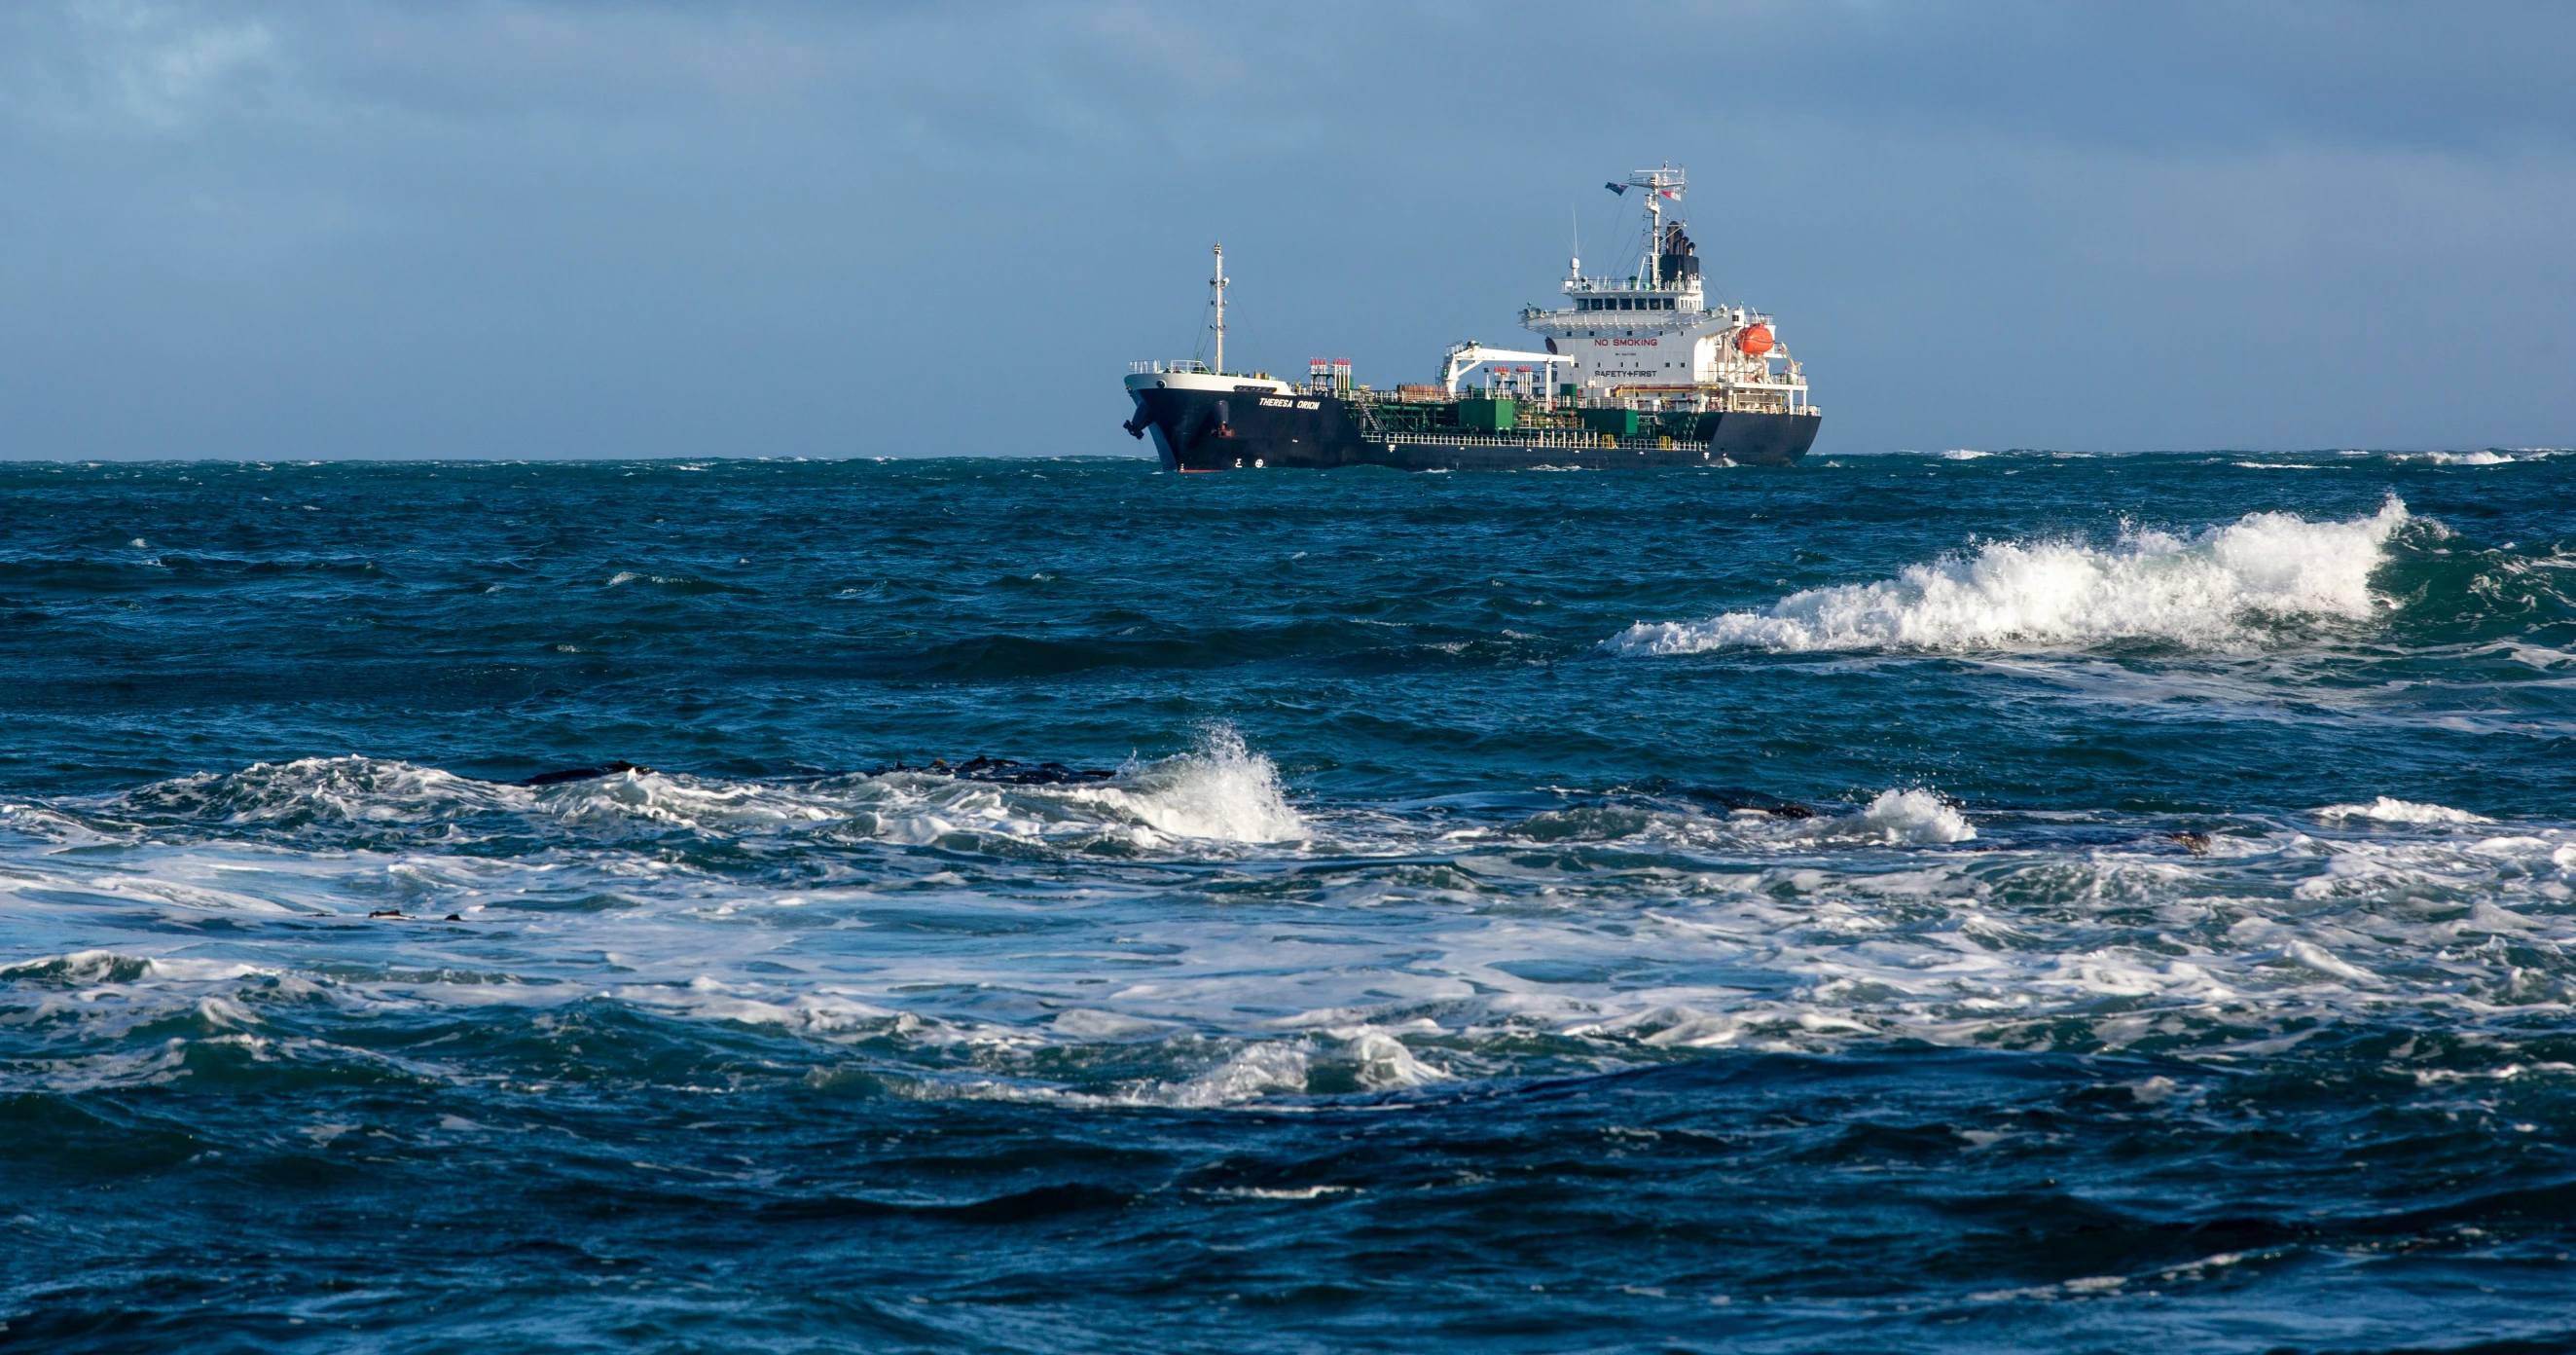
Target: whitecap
1906	816
1220	789
2388	810
1259	1070
1917	816
2478	458
2213	589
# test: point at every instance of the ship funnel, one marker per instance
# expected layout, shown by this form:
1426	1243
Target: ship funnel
1680	258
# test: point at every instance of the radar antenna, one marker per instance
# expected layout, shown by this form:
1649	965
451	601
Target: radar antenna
1659	184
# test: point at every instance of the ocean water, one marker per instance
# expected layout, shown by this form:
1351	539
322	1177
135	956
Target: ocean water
1967	902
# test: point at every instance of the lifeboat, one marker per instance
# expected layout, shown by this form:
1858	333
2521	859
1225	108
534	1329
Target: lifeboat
1755	341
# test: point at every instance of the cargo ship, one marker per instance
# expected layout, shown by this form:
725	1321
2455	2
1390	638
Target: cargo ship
1637	371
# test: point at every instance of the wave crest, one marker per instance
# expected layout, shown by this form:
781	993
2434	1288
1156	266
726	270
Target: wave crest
1220	791
1914	816
2209	590
2387	809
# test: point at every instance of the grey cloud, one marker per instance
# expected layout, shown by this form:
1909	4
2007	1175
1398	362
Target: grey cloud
508	227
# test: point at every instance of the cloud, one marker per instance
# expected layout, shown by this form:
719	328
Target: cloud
130	62
540	227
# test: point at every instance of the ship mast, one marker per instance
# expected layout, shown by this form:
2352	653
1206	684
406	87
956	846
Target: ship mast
1216	289
1654	237
1659	185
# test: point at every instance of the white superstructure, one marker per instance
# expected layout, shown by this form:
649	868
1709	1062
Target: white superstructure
1649	338
1192	374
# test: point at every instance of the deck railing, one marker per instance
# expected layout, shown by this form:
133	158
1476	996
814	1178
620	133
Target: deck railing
1570	439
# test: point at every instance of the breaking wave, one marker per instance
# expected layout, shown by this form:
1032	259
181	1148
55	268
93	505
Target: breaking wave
1219	790
2389	810
2213	589
2478	458
1914	816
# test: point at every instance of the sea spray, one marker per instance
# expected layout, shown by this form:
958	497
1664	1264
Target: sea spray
2213	589
1220	790
2386	809
1914	816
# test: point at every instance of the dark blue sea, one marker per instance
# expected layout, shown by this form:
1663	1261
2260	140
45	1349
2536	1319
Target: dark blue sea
1903	903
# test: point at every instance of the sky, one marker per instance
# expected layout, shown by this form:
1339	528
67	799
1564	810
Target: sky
646	228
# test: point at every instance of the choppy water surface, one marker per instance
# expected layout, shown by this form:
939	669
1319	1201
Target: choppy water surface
2177	955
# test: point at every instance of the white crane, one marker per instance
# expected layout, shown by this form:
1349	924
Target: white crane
1469	354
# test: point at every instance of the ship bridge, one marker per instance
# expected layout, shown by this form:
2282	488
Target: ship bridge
1648	338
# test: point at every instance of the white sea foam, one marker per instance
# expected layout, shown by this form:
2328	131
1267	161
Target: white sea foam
1357	1058
1217	971
1915	816
1260	1070
2215	589
2478	458
1220	789
347	790
2387	810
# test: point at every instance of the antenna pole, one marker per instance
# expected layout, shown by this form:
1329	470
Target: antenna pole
1655	232
1216	287
1659	185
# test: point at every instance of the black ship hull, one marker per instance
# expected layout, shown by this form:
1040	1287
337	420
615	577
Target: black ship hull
1257	427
